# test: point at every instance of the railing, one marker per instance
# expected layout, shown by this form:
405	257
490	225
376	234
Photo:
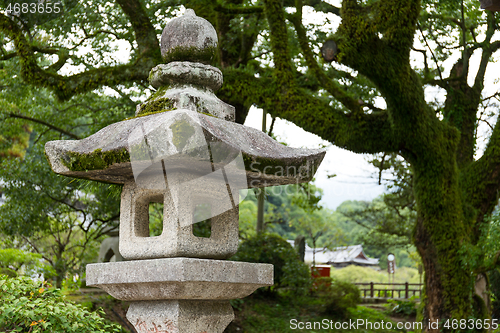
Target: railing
390	290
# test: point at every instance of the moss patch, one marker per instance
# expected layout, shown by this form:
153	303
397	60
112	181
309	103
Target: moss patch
158	105
97	160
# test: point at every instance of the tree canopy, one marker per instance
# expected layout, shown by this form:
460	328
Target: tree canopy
55	76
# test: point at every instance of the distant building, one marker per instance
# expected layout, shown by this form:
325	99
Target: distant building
340	256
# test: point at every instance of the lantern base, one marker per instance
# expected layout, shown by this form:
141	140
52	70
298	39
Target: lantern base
179	278
179	316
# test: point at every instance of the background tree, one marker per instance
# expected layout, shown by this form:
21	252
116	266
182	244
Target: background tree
54	216
268	59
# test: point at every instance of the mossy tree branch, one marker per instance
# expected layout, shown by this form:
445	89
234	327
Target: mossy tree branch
359	133
145	34
239	10
322	6
488	49
481	180
333	88
65	87
462	100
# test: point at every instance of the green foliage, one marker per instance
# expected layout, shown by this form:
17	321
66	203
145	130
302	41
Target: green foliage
483	256
292	210
60	218
21	261
403	307
380	228
263	315
28	306
336	297
494	278
289	271
357	274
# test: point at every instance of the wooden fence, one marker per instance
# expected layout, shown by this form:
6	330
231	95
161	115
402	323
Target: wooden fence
389	290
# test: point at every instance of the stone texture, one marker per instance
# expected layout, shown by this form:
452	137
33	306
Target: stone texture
193	98
191	33
267	162
185	72
109	250
179	278
180	316
177	238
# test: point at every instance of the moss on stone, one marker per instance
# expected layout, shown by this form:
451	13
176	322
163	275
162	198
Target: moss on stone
154	106
150	113
96	160
159	93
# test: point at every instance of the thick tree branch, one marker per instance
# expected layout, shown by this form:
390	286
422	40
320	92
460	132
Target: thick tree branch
322	6
239	10
330	86
481	180
65	87
145	34
488	49
281	96
8	56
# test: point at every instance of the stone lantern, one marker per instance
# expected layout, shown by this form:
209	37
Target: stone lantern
184	150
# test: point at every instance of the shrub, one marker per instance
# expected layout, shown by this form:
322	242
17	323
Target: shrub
289	271
28	306
337	297
357	274
21	262
403	307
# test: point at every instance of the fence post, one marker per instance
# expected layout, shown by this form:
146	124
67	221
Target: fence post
371	289
406	290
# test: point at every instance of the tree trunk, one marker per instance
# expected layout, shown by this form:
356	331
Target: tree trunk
439	236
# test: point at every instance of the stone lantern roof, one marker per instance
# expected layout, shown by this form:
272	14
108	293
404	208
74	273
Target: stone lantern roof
181	116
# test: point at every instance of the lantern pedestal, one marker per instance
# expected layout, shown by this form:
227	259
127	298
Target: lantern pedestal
180	316
179	294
